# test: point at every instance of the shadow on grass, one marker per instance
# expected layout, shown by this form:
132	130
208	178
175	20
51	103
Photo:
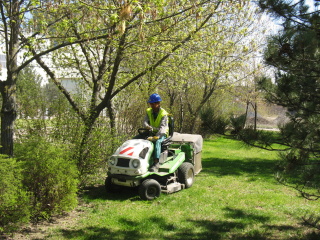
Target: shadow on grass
135	230
251	166
150	228
99	192
240	214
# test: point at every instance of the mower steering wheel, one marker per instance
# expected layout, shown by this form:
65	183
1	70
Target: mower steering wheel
144	131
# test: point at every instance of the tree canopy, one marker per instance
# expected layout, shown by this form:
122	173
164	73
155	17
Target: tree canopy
119	52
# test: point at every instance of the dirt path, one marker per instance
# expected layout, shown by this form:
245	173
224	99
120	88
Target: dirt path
39	231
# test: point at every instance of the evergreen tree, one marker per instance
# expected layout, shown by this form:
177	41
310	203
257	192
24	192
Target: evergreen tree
29	97
295	54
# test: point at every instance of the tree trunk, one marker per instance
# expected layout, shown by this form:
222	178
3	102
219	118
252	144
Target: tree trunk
246	115
193	120
83	150
8	116
8	87
255	116
181	114
112	119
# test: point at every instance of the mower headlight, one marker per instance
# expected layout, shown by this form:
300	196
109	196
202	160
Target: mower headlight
135	163
112	161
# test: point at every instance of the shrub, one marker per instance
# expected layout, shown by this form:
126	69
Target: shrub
89	151
14	201
238	123
49	175
92	156
213	122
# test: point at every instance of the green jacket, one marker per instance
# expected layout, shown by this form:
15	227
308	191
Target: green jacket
155	123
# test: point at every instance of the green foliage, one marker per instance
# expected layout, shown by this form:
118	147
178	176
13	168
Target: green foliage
89	152
262	139
66	127
235	197
99	145
237	123
294	52
50	175
29	95
301	171
14	199
55	102
213	122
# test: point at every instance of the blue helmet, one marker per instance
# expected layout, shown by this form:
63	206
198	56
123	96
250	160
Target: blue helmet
154	98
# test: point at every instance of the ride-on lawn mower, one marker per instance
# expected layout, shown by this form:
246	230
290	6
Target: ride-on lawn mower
180	161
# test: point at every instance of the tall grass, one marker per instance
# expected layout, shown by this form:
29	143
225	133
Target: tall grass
235	196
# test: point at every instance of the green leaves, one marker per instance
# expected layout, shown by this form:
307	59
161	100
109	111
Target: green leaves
294	53
14	200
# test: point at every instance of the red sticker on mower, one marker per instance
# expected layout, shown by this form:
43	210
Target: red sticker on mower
126	150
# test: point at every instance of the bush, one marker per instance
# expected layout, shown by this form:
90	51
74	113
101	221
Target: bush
212	122
238	123
14	201
92	156
49	175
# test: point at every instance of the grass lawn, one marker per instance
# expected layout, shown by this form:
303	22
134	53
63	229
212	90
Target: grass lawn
235	196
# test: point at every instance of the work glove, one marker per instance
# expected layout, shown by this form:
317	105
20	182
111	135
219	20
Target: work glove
152	139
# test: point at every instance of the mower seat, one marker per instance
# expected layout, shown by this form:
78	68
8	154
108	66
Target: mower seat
167	141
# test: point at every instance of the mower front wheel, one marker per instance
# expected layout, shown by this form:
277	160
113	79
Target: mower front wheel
149	189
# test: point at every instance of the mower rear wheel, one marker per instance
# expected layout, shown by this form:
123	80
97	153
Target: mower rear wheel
149	189
186	174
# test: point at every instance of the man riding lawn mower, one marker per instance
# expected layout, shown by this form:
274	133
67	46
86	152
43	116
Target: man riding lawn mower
158	159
